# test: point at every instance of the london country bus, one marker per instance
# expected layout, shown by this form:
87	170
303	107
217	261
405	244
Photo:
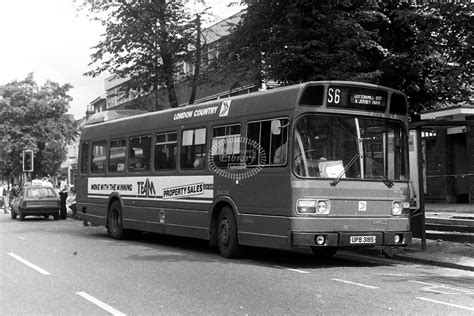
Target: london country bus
322	165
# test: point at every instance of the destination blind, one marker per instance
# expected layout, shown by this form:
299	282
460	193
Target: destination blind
357	98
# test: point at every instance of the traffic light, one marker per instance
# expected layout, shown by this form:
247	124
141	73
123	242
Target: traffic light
28	158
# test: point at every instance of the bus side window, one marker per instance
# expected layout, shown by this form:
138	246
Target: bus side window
84	158
193	149
166	151
139	153
225	147
117	155
98	160
273	139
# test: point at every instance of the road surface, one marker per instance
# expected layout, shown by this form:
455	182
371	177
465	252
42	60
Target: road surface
61	267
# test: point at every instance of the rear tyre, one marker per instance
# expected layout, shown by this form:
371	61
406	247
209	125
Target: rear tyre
227	234
324	252
115	221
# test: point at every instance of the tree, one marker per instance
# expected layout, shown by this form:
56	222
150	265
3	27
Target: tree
197	60
294	41
424	50
430	52
34	117
143	41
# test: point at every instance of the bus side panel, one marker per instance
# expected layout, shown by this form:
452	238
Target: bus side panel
92	210
265	231
263	206
180	219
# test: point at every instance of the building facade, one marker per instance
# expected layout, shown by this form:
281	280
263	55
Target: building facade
448	153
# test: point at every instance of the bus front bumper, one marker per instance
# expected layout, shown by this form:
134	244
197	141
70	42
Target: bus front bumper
352	239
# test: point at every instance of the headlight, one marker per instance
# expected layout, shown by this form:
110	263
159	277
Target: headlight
322	207
310	206
306	206
396	208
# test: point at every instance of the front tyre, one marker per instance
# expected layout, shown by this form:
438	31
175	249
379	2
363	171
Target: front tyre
115	221
227	234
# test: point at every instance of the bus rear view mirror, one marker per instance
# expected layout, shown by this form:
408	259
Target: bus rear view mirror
276	127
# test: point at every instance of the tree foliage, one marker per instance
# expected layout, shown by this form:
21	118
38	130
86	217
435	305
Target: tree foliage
430	52
424	50
33	117
294	41
143	41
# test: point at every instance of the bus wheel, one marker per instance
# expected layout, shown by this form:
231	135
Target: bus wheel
114	221
324	252
227	240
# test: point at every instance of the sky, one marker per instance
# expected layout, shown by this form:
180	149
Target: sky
54	41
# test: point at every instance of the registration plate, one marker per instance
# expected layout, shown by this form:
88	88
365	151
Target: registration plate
362	240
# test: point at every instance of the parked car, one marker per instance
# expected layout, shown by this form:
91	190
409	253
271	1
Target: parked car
37	200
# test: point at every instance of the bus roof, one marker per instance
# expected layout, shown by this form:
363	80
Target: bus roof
276	100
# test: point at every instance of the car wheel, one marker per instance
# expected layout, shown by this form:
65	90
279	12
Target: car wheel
227	235
115	221
56	216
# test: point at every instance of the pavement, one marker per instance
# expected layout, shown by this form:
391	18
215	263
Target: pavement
438	252
444	250
450	249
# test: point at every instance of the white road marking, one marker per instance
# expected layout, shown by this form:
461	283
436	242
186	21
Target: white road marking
290	269
397	274
29	264
99	303
441	288
358	284
448	304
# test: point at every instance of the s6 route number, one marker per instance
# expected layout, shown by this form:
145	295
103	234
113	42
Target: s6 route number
334	96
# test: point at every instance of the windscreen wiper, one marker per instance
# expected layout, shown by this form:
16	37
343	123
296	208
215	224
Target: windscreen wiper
386	180
343	172
389	183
